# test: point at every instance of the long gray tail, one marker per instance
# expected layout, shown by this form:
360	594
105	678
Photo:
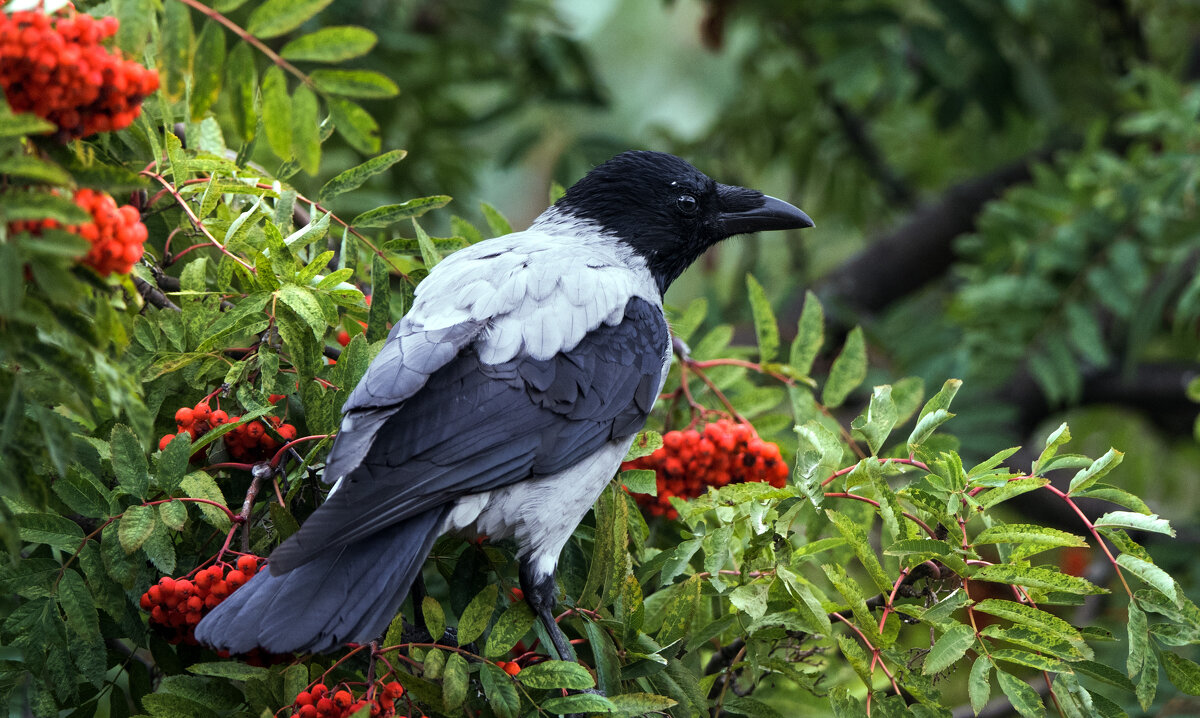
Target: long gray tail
347	596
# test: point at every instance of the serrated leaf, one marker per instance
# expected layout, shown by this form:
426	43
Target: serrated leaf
175	43
135	526
277	112
810	334
306	130
979	687
639	481
304	303
429	254
877	421
379	312
647	442
354	177
1036	618
173	514
247	316
556	674
856	536
477	614
83	493
925	427
1183	674
129	461
1096	471
229	669
1023	698
499	690
1057	438
330	44
679	611
382	217
358	84
1037	577
355	125
199	485
15	125
991	497
578	704
435	618
765	326
454	681
514	623
87	644
1028	533
1104	492
1030	660
1149	573
276	17
495	220
947	649
207	69
241	87
1139	522
848	371
32	168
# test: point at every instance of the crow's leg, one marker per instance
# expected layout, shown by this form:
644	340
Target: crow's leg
541	591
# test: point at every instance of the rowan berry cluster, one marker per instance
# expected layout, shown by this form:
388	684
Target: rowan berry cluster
177	605
115	233
319	702
248	442
722	453
56	67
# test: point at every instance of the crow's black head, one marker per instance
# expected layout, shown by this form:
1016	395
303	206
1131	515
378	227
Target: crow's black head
669	212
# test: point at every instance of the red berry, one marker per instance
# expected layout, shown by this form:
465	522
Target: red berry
184	417
167	439
512	668
218	417
202	411
308	711
247	564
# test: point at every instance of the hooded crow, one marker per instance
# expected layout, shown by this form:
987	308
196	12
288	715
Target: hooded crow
501	404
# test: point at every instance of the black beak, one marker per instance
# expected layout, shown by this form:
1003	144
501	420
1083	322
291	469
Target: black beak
770	214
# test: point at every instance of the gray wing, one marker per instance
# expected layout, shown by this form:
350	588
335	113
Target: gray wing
475	426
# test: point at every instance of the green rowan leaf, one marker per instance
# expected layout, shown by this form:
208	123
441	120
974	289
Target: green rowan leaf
495	220
947	649
330	44
1139	522
355	125
83	493
991	497
208	68
454	681
385	216
306	130
354	177
499	690
199	485
1037	577
129	461
358	84
639	481
925	427
277	112
766	328
1023	698
578	704
979	687
136	525
556	674
277	17
1057	438
1149	573
1096	471
1036	661
679	611
1183	674
848	371
241	87
477	614
856	536
514	623
810	334
173	515
877	421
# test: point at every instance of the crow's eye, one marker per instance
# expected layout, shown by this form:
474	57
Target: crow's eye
686	204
